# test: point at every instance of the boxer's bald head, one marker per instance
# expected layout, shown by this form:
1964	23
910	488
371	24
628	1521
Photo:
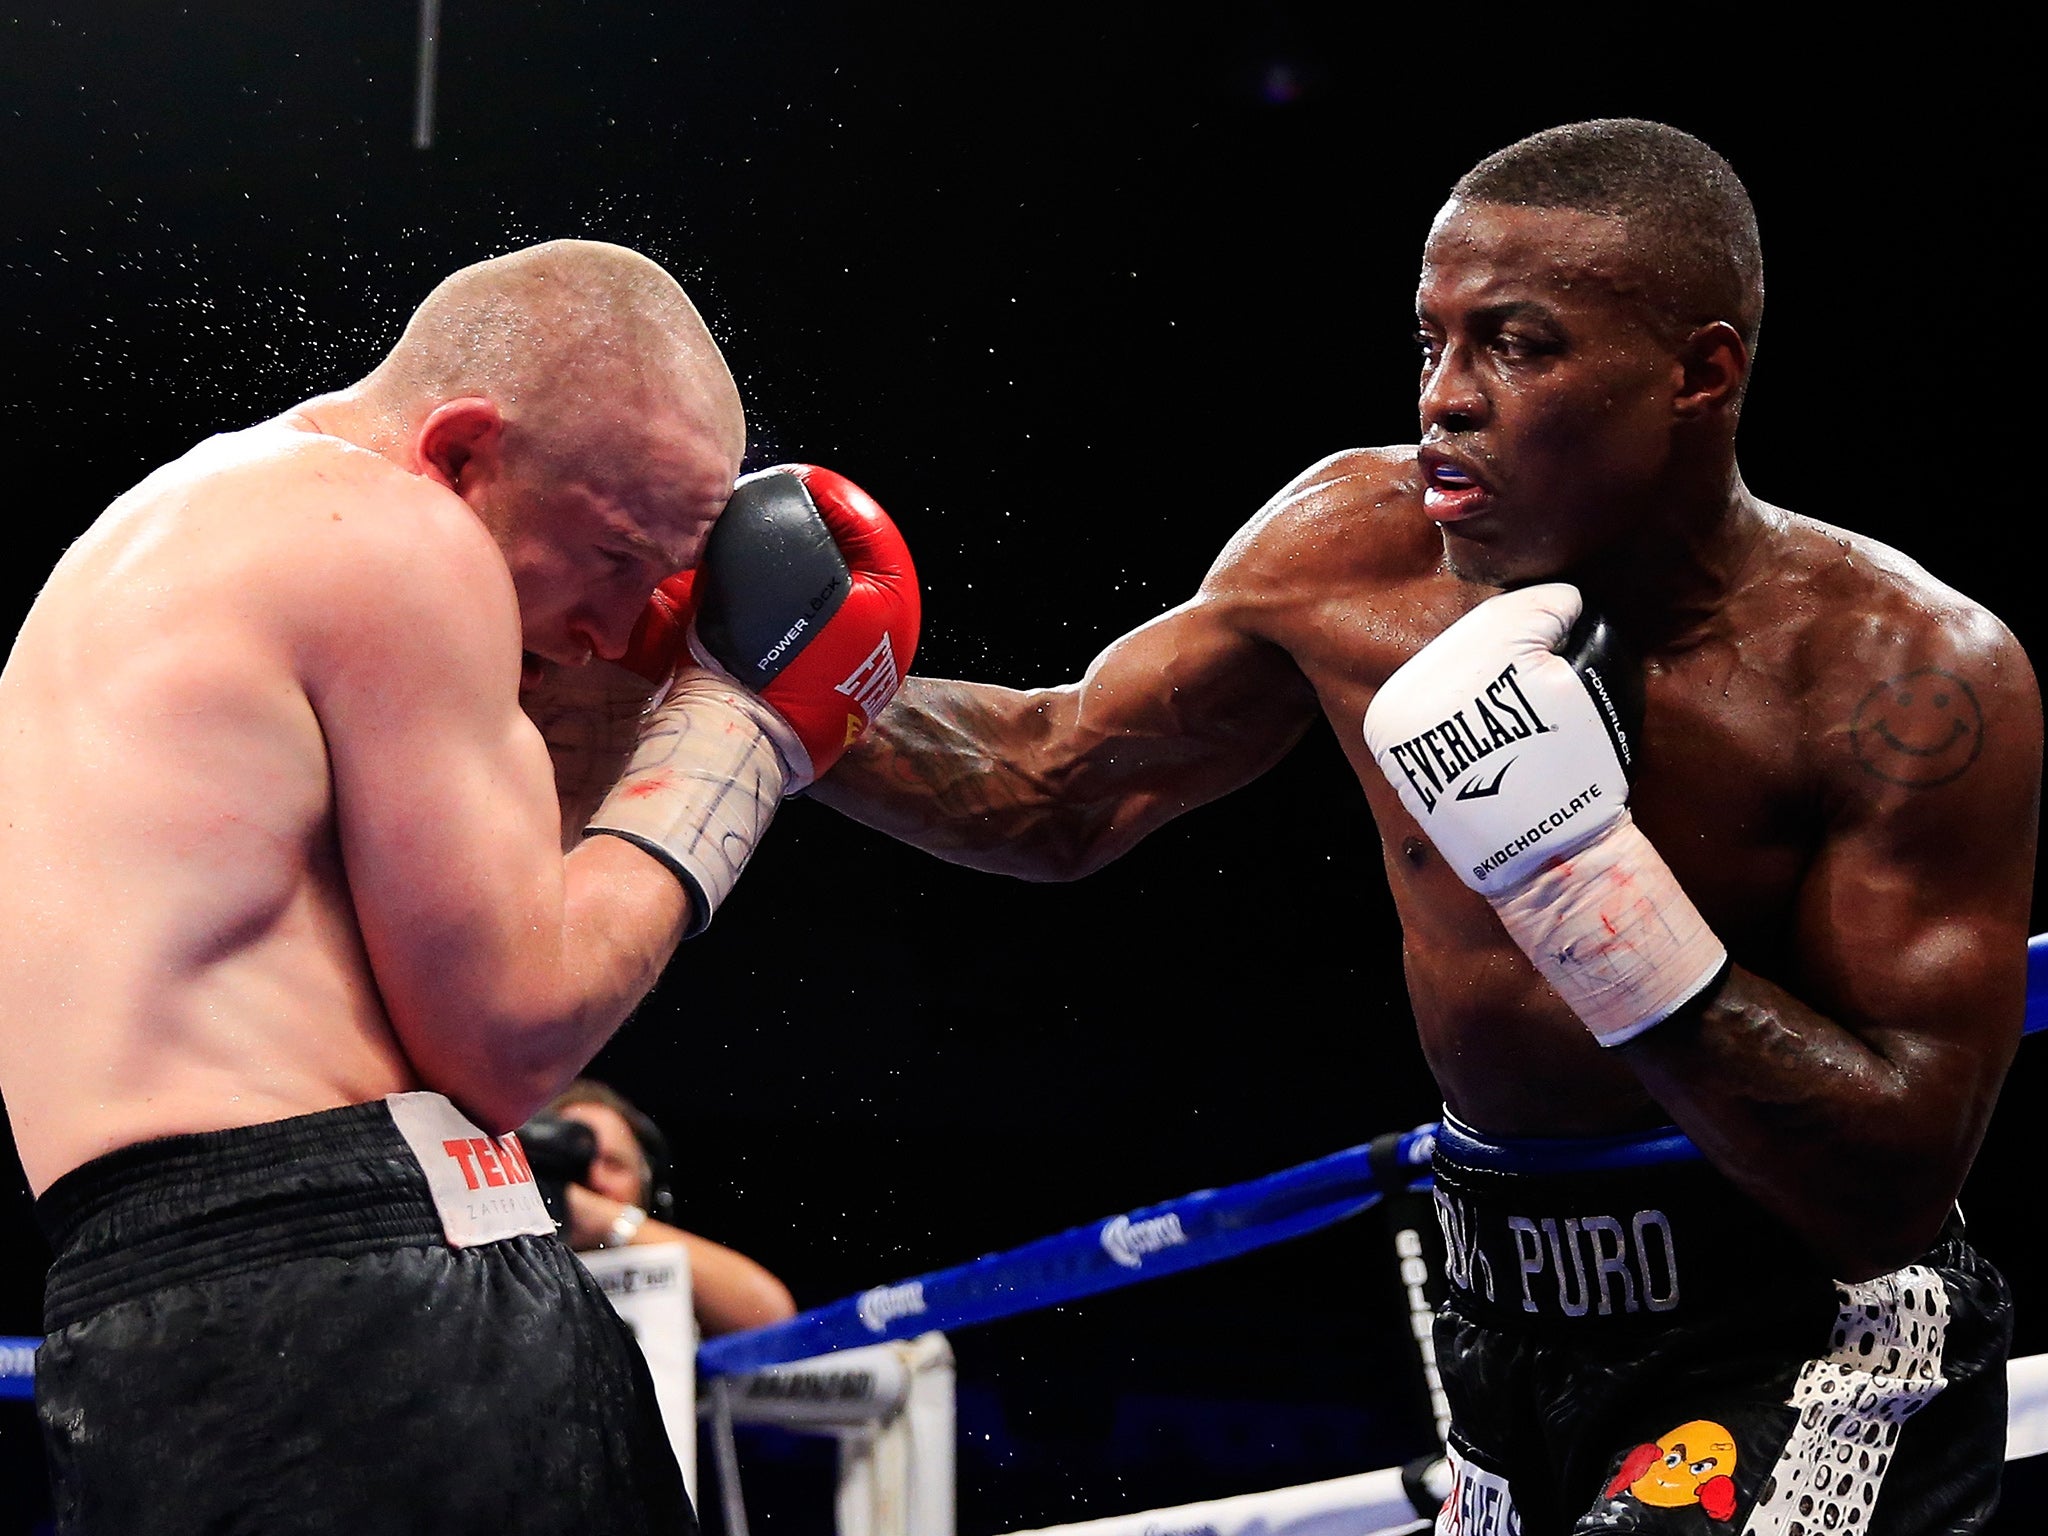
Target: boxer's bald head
573	396
577	341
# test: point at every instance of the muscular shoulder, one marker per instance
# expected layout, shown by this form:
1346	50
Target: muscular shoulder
255	527
351	547
1354	517
411	589
1868	605
344	501
1910	679
274	548
270	490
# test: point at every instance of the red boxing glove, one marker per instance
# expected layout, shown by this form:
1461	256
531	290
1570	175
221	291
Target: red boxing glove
806	595
802	618
661	638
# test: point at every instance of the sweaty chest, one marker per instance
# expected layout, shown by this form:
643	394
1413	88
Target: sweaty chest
1725	786
1728	794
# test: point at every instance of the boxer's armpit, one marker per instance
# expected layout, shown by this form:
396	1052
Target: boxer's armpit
589	716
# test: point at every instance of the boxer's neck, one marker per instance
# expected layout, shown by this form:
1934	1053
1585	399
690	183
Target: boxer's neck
1668	589
354	417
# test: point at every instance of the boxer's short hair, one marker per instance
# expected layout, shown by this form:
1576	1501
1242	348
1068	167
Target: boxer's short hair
1689	214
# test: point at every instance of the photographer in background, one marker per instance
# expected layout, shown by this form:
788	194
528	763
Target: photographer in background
605	1171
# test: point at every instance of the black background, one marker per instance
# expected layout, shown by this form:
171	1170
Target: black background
1071	292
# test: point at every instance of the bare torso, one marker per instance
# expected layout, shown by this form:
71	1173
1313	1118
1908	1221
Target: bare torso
1802	844
1730	790
182	953
279	835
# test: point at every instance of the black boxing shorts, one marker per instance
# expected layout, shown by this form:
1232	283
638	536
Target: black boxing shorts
353	1322
1629	1344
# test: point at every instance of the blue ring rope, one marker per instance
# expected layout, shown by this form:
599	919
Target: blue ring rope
1144	1244
1215	1224
1154	1240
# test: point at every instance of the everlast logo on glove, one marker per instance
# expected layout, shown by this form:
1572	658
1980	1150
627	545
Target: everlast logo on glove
1444	751
1546	836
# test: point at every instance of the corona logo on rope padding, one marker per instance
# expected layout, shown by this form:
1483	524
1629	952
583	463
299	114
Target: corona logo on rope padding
1128	1241
881	1306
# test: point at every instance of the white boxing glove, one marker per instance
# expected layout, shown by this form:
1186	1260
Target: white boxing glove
1510	738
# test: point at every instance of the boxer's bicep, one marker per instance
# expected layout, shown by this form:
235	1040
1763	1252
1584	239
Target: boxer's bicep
1848	1084
442	799
1913	919
478	933
1052	783
1177	713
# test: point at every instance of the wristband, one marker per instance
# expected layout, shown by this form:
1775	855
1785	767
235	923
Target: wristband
624	1226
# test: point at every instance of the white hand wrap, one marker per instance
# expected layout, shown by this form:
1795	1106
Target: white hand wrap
1512	759
1610	928
702	785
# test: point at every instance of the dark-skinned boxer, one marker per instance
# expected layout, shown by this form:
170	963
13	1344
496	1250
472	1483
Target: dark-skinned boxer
1712	1082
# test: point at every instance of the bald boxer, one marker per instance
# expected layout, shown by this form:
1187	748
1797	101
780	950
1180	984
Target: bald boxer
291	942
1720	983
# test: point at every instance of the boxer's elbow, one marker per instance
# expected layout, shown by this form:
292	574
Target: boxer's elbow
1089	833
1048	851
1074	857
498	1103
498	1072
502	1041
503	1111
1880	1226
1062	819
524	1073
1855	1255
1005	831
1014	784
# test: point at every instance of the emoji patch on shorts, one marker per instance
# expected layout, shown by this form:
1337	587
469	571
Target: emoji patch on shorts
1692	1464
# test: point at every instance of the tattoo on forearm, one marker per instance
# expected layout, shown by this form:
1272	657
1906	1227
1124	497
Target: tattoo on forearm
956	788
924	773
1918	730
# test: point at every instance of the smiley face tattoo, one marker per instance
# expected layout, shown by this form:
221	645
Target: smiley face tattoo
1919	730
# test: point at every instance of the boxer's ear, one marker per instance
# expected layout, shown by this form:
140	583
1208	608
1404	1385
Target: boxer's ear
1713	363
459	437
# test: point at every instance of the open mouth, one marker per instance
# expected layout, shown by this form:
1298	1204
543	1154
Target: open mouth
1451	492
530	667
